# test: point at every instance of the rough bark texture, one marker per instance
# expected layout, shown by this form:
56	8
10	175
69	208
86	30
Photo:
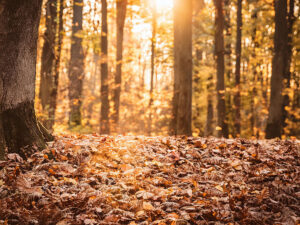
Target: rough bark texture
183	68
121	15
238	52
153	53
279	63
104	117
48	75
76	71
219	53
19	21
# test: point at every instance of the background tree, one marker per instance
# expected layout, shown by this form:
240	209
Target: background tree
279	65
219	52
19	22
76	70
104	117
153	50
51	60
48	75
121	6
238	50
183	68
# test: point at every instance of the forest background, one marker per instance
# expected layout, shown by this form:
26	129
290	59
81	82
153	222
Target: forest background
79	77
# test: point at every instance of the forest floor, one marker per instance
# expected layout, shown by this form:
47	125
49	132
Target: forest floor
91	179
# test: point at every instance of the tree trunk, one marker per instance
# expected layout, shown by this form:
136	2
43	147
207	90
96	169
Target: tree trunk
183	68
104	117
47	83
228	65
287	74
153	49
280	60
222	126
121	16
254	119
210	110
238	50
76	71
19	130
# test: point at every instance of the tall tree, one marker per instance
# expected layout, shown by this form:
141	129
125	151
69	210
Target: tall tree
76	71
104	117
51	60
19	130
279	65
47	83
222	126
183	68
121	16
287	74
153	53
228	64
238	52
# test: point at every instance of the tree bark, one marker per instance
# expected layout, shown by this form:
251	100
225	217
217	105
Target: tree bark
210	110
287	74
47	83
153	53
219	53
121	16
104	117
183	68
19	130
228	65
238	50
76	71
279	63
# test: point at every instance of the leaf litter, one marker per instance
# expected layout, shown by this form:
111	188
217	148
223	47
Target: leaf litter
92	179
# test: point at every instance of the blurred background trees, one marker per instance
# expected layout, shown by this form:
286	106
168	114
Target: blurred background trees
203	67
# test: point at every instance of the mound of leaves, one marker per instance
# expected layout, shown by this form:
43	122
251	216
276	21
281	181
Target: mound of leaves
95	179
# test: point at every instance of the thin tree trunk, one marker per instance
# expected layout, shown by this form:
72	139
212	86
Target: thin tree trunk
222	126
210	110
183	67
280	60
57	62
47	83
76	72
153	49
104	117
287	74
228	65
237	96
19	130
121	16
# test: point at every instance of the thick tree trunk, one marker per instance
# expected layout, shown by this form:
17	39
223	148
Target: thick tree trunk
183	67
76	71
104	117
219	52
153	51
279	63
238	50
19	130
121	16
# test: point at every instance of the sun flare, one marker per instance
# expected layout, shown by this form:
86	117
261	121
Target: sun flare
164	4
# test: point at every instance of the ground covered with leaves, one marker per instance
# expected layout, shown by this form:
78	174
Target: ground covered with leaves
91	179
